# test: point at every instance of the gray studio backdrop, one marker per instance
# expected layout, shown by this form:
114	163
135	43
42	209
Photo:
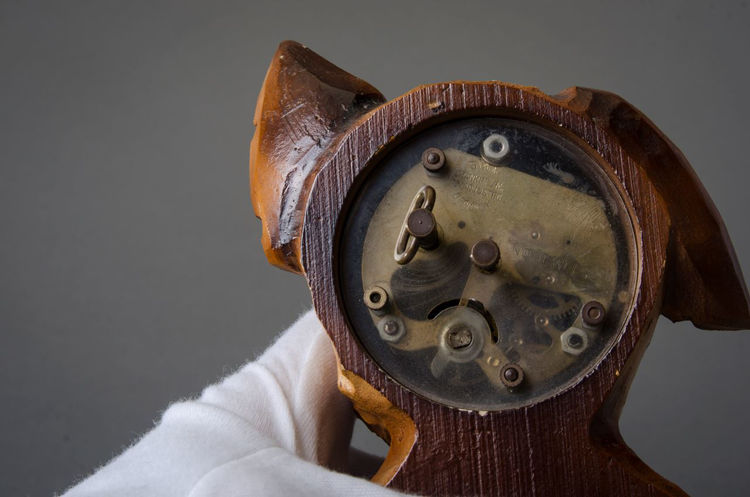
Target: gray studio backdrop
131	273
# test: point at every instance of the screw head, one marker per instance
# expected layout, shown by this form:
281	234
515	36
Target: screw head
433	159
460	338
485	254
593	313
391	327
511	375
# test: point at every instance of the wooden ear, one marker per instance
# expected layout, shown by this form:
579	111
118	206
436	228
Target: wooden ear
703	281
306	103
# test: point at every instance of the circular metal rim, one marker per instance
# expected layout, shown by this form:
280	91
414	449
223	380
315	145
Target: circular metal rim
622	202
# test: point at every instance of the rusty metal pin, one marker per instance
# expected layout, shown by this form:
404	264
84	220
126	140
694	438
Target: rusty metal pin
433	159
485	254
421	225
391	328
407	245
593	314
511	375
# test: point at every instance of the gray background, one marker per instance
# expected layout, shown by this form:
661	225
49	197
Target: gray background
131	272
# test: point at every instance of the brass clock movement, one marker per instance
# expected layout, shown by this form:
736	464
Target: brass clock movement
489	262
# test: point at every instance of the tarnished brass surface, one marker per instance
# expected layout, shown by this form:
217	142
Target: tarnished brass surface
558	252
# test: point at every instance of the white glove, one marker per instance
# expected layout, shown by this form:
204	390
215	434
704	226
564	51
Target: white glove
271	429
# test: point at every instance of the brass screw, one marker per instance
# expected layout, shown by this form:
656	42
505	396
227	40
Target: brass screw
433	159
511	375
593	314
391	327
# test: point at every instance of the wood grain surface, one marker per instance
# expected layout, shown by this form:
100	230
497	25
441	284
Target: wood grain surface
568	445
704	281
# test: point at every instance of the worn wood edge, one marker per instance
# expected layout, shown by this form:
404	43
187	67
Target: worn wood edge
389	422
304	103
604	427
704	282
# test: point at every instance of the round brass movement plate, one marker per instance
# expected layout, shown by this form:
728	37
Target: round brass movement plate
487	263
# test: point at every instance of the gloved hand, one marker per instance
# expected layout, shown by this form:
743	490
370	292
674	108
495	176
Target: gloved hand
278	427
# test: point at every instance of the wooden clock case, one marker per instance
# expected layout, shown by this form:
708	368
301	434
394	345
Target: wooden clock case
320	131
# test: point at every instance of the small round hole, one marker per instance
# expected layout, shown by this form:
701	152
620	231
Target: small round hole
575	341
